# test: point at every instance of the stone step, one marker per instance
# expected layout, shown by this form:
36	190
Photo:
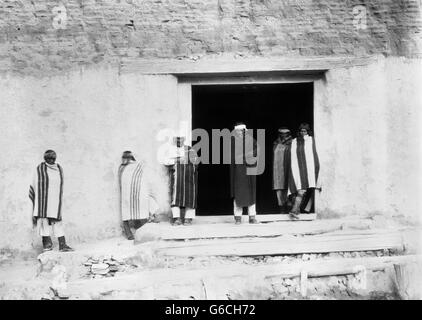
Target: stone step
348	241
217	282
263	218
224	227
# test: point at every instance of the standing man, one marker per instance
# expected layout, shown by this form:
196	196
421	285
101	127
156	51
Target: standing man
304	167
281	167
182	163
46	194
242	184
136	197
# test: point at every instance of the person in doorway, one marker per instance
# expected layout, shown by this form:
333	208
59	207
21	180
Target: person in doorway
137	201
304	167
182	163
281	166
46	194
244	151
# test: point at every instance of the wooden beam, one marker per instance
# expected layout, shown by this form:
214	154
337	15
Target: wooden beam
226	65
285	245
341	266
208	230
199	230
408	280
303	283
262	78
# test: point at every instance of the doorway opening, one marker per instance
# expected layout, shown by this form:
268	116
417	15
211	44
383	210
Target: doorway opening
260	106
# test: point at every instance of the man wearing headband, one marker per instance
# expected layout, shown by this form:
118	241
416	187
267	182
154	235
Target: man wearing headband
242	185
182	164
137	201
304	169
46	194
281	166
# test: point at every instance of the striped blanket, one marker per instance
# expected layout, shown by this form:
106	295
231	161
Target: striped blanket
304	167
136	197
46	191
184	180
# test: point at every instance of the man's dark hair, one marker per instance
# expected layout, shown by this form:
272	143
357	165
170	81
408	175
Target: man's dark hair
306	126
49	154
129	155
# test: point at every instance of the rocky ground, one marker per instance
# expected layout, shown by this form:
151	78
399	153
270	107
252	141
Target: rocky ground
33	279
120	269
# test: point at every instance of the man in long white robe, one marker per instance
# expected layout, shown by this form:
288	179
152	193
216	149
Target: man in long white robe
137	200
46	194
243	185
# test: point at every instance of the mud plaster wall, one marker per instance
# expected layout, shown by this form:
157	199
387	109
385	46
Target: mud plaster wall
368	136
93	31
61	89
90	117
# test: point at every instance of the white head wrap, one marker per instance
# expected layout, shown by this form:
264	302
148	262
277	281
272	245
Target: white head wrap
240	127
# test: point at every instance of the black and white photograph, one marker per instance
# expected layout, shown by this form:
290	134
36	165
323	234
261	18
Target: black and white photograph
223	151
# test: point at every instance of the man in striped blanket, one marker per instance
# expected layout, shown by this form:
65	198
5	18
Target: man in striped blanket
304	168
182	163
281	167
137	201
46	194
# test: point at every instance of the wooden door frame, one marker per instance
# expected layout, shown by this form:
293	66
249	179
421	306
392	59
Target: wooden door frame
185	83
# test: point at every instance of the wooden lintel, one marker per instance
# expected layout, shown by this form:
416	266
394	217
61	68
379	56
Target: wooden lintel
204	66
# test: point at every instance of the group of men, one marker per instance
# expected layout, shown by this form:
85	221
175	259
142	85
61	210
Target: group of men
295	170
295	175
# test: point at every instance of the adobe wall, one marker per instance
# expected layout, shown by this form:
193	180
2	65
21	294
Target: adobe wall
62	88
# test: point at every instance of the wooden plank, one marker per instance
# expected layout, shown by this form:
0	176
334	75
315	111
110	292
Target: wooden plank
408	280
260	217
165	231
339	266
160	278
250	79
284	245
303	283
330	236
229	65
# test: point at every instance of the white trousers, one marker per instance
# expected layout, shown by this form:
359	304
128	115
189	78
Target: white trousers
46	230
239	210
189	212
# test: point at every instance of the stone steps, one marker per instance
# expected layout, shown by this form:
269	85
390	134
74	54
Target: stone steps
218	282
163	264
223	227
263	218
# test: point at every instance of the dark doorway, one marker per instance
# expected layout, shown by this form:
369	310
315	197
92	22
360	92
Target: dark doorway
260	106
